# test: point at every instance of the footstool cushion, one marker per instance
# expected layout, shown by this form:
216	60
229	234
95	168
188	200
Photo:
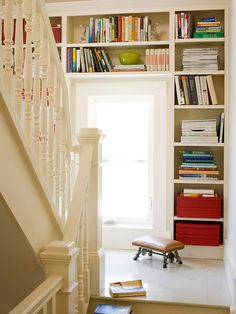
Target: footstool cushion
162	246
158	244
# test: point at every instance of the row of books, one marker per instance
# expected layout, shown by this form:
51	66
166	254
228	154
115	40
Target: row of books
195	90
198	165
198	193
157	59
87	60
200	58
119	29
208	27
184	25
199	131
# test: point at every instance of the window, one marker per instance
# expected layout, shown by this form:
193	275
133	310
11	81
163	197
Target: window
126	171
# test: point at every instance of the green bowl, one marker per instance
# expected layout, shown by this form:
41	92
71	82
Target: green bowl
128	58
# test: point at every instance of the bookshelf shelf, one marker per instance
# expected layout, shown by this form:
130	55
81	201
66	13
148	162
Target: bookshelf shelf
121	44
199	40
197	182
136	75
221	72
199	144
198	219
199	107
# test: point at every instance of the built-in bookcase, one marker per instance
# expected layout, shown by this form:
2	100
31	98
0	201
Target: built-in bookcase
165	13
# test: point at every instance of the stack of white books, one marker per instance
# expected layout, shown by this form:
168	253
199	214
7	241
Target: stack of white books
200	59
199	131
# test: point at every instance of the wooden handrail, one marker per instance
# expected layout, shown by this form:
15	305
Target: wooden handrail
39	298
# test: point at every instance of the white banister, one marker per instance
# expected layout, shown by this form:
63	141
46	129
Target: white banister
60	257
52	81
8	33
45	57
18	57
41	297
57	115
63	170
85	252
37	40
29	11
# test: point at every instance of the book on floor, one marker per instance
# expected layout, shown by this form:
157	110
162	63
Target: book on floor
113	309
129	288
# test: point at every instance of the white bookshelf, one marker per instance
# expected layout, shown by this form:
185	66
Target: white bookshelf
72	15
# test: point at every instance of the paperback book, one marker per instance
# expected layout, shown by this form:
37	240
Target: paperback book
129	288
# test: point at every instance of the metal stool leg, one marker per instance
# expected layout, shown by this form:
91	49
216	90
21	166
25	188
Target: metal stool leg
178	259
165	258
137	254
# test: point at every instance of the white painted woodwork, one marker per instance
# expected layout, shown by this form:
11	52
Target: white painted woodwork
39	298
96	254
68	177
8	33
80	265
37	40
29	11
86	252
52	81
57	116
18	57
62	127
44	63
60	257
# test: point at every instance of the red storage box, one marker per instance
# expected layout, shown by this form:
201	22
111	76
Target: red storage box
198	233
198	207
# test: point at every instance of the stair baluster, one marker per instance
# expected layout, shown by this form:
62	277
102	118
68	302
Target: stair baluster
45	57
52	81
29	11
8	33
37	39
18	58
57	115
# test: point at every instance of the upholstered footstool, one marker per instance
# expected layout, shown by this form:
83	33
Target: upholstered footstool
161	246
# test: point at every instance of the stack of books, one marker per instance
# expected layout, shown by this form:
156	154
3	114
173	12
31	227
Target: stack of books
200	58
184	23
195	90
129	68
130	288
209	27
113	309
199	131
198	165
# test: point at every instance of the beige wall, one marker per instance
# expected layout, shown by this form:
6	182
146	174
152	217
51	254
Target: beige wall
20	270
21	189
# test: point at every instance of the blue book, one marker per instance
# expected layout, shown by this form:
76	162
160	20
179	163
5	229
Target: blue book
208	19
112	309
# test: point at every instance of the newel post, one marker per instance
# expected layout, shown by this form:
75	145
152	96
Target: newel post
94	220
60	258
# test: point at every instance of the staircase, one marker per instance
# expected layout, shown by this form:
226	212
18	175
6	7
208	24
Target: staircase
48	206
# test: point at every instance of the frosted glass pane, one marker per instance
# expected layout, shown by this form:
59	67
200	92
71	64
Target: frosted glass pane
125	190
126	126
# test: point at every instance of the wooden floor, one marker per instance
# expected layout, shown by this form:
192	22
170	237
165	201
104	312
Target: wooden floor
197	281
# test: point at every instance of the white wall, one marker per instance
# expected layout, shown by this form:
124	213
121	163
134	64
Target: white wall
230	247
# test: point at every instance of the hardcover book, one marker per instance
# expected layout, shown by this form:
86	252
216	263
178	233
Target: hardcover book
129	288
112	309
